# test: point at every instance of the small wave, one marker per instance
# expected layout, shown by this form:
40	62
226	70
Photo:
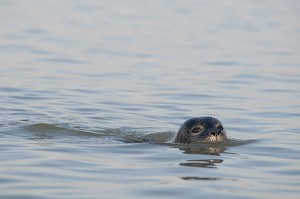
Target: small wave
154	137
55	133
50	129
44	131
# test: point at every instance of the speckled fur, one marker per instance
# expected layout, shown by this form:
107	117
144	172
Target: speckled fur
209	124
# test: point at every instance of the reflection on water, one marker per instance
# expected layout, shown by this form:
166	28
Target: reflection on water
206	179
206	163
211	148
214	150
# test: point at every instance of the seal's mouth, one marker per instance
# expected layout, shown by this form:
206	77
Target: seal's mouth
214	137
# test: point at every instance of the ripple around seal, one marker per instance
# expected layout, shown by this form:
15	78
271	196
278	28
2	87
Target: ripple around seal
53	133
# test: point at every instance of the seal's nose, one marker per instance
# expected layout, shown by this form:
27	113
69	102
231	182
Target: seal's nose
215	133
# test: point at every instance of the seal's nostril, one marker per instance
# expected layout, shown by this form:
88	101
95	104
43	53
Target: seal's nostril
213	133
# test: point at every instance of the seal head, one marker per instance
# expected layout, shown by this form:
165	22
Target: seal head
200	129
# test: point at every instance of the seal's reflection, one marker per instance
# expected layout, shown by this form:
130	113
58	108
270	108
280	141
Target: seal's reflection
207	149
205	163
206	178
208	163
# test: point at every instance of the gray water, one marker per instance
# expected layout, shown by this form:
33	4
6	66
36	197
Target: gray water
91	93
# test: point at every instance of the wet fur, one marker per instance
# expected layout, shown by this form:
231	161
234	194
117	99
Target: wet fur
210	125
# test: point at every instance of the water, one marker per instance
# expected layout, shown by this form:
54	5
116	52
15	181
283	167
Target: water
92	92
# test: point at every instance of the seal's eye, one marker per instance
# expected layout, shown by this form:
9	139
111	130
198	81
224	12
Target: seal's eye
219	127
196	130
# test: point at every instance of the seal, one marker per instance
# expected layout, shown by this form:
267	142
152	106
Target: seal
200	129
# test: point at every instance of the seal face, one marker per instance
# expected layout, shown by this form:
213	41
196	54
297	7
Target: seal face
200	129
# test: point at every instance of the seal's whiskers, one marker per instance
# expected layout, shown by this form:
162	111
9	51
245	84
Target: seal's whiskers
213	138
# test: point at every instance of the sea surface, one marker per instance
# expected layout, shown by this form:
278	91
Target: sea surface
92	92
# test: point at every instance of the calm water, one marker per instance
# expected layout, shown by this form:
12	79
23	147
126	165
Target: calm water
92	91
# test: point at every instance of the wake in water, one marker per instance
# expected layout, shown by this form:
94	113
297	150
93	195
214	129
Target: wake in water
43	132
